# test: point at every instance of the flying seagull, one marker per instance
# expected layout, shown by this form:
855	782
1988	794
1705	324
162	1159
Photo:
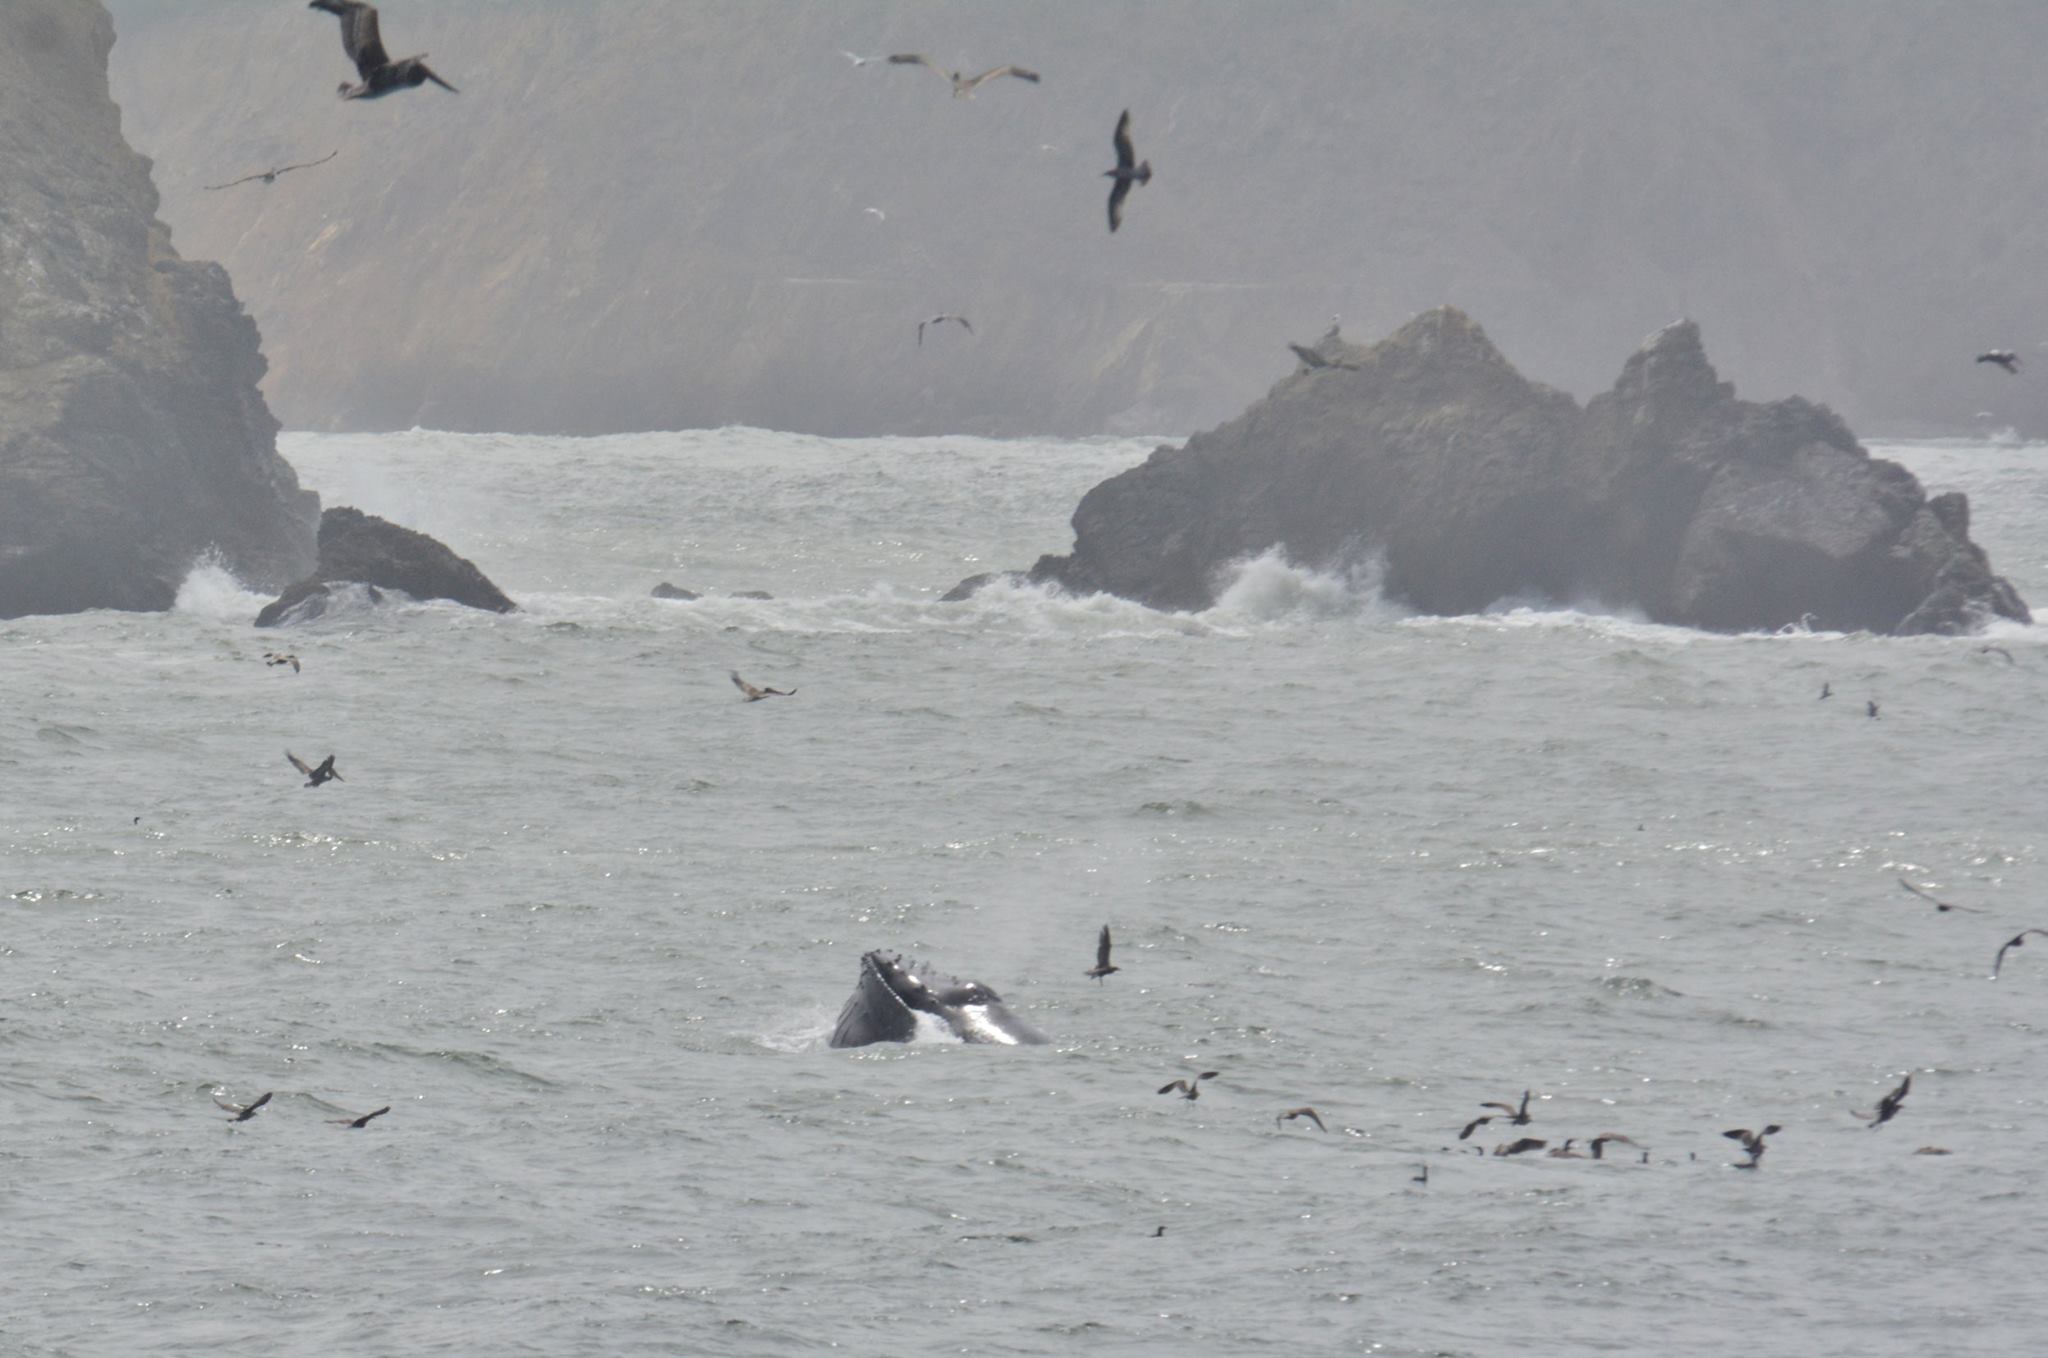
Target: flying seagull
755	695
935	320
362	1121
1293	1113
1527	1143
270	176
1102	966
1943	906
2004	358
963	86
1752	1142
242	1111
1190	1089
273	658
1888	1106
365	47
1128	171
2017	940
315	776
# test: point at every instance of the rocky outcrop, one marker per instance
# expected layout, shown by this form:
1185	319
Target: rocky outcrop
362	549
665	590
1666	495
132	436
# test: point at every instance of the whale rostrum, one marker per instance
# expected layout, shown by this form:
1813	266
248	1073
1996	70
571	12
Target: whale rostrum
891	994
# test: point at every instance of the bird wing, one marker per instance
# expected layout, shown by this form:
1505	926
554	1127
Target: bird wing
1208	1075
1504	1107
359	35
299	764
1120	191
963	323
259	1103
243	180
1739	1134
1923	895
1181	1085
229	1104
920	333
1309	356
742	685
367	1116
917	59
307	164
1125	156
998	71
1474	1125
1310	1114
1102	948
2017	940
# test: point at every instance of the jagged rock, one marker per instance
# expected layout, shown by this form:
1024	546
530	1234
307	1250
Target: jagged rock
1665	495
359	548
665	590
132	436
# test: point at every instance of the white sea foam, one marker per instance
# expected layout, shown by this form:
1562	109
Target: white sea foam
1270	588
211	590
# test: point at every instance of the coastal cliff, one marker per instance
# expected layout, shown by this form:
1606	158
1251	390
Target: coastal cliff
133	438
1666	495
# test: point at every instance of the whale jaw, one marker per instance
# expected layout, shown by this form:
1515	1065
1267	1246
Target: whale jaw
891	993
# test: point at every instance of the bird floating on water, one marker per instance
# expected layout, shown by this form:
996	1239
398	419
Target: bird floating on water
315	776
362	1121
2004	358
274	658
270	176
2018	940
1294	1113
755	695
365	47
1129	170
242	1111
964	86
935	320
1943	906
1888	1106
1189	1089
1103	966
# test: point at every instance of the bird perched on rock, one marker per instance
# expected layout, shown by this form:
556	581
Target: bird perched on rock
1129	170
365	47
964	86
1943	906
2004	358
315	776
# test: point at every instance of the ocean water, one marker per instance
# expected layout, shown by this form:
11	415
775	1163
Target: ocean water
583	919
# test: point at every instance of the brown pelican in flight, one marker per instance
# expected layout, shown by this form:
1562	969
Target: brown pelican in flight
1293	1113
1888	1106
2004	358
1517	1117
365	47
270	176
275	658
963	85
1190	1089
755	695
315	776
242	1111
1943	906
362	1121
1102	965
1752	1142
2018	940
935	320
1128	171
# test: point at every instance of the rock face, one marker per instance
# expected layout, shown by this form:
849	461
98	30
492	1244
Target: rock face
132	436
359	548
1665	495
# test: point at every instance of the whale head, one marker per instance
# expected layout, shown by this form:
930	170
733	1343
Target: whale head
892	992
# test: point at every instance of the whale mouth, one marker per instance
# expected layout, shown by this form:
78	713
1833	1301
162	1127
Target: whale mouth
893	994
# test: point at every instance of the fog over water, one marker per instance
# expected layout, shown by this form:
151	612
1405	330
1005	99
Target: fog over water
583	919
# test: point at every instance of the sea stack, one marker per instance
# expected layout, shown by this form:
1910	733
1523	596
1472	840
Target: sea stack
133	439
1666	496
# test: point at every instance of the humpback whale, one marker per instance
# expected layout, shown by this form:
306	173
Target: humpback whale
891	994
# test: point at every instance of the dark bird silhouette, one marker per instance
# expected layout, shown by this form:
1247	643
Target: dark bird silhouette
1291	1114
365	47
755	695
1934	1150
1870	709
1518	1116
1826	691
936	320
963	86
242	1111
1102	965
1600	1143
274	658
1888	1106
1161	1231
1527	1143
1129	170
362	1121
1943	906
270	176
2004	358
1474	1125
1565	1152
2016	941
1190	1089
1997	650
1421	1178
1752	1142
315	777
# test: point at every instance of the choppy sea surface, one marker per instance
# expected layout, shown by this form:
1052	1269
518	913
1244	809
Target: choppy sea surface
583	919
